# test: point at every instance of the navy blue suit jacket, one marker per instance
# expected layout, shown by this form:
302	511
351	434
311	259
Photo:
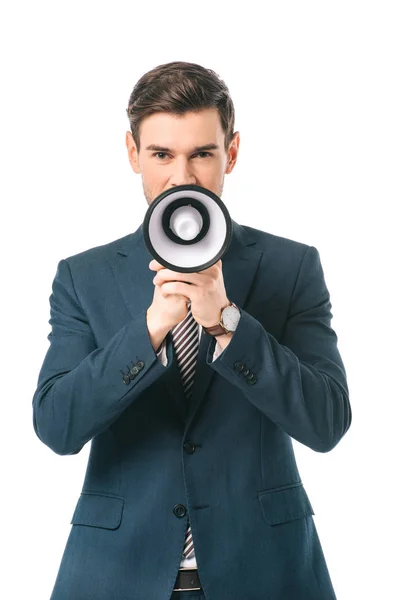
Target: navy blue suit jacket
226	460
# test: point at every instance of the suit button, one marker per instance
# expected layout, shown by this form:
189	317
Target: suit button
140	364
252	381
134	371
238	366
246	372
250	377
179	510
189	447
126	379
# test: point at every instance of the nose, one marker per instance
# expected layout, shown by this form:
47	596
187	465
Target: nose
182	174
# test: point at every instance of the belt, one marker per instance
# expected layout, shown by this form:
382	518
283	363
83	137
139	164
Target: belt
187	579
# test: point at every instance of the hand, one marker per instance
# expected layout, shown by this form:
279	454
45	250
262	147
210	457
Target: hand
205	290
166	310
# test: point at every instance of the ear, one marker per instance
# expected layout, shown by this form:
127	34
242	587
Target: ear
132	152
233	151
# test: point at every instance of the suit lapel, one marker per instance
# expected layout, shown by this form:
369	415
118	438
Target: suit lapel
135	280
239	266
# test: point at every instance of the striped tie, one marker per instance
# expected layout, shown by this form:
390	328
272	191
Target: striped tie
185	337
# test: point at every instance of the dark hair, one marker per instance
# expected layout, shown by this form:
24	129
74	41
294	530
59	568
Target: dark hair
177	88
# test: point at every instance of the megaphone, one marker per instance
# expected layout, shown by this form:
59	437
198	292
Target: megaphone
187	228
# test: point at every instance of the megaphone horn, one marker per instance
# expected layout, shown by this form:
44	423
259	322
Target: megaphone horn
187	228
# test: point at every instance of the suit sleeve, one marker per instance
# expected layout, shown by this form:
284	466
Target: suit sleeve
300	383
82	389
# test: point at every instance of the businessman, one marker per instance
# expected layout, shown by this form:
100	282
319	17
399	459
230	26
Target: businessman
190	387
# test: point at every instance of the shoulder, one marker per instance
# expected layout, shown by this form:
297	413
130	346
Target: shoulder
269	242
100	254
284	259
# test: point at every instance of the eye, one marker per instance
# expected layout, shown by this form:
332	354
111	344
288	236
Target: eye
161	155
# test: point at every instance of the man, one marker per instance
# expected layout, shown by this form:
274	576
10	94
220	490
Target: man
191	386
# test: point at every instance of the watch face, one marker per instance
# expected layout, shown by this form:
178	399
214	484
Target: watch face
230	317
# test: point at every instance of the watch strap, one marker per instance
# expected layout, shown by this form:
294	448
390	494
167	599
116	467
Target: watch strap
215	330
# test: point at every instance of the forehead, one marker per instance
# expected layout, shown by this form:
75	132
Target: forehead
202	126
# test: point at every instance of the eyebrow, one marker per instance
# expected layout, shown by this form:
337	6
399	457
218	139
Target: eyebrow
197	149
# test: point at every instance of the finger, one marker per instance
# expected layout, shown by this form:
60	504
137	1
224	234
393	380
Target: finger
154	265
177	287
167	275
192	278
162	277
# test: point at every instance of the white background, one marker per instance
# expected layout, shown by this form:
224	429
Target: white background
316	91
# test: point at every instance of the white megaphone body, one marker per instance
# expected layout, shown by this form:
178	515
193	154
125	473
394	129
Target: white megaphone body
187	228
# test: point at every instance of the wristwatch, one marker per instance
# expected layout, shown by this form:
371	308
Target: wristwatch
228	323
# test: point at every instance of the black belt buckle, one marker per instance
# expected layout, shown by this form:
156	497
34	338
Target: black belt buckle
187	579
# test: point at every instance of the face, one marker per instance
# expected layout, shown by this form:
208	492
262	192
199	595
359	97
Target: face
181	150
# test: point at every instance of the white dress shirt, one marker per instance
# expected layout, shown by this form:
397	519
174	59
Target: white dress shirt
162	355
